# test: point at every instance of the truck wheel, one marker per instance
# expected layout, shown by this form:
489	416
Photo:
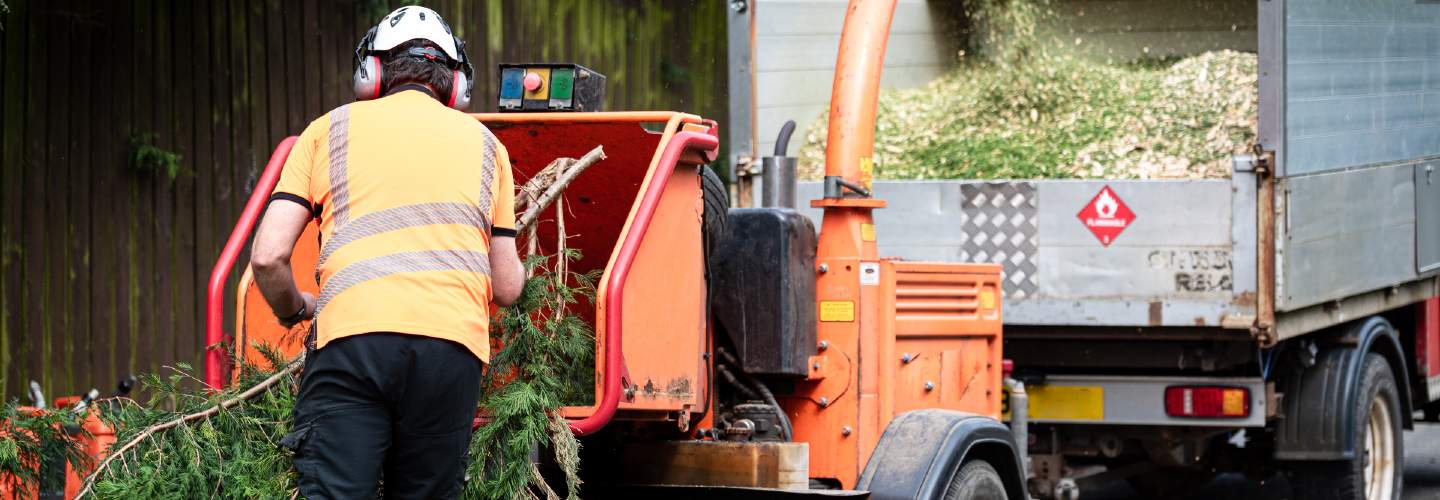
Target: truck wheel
1374	473
976	480
714	221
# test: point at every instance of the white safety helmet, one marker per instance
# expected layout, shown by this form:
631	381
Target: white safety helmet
403	25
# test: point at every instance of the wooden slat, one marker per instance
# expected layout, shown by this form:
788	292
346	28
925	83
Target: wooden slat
12	140
753	464
104	245
58	162
161	329
82	124
123	214
206	120
180	229
34	173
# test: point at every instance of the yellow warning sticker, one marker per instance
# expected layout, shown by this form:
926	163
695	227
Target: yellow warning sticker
987	299
867	172
837	310
867	232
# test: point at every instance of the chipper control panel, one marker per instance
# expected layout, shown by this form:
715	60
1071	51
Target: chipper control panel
550	87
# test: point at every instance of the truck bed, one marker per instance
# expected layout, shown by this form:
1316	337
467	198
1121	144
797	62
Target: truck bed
1349	243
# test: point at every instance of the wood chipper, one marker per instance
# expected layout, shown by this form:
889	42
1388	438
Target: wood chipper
735	349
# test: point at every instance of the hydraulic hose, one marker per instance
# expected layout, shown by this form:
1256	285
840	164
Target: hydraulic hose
766	395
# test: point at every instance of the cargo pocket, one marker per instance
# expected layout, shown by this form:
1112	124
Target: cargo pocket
302	442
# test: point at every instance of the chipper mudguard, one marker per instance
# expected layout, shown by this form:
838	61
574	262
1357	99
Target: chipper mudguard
921	451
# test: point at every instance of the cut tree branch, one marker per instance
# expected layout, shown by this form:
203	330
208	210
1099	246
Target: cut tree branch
206	413
539	204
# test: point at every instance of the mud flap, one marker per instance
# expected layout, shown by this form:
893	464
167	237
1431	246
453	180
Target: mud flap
1317	419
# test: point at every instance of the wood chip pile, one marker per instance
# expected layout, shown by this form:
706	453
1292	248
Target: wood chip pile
1064	117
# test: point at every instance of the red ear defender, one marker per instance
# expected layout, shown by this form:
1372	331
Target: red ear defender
378	70
455	80
367	78
459	91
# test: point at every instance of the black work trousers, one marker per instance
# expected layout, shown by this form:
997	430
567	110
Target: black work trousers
384	405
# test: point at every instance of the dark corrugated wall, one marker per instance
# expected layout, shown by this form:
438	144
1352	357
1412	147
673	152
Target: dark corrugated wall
105	261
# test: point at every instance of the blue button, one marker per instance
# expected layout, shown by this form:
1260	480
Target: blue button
512	83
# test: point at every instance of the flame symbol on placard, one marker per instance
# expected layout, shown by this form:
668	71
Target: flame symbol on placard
1106	206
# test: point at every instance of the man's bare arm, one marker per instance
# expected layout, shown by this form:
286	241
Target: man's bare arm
507	274
270	259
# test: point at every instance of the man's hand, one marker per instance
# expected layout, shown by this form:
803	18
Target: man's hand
307	313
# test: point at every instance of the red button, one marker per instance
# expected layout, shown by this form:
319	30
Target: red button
532	82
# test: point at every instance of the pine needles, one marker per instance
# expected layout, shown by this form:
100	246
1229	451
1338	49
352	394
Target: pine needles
183	443
30	437
230	452
547	362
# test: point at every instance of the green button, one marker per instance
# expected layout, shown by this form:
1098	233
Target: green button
562	83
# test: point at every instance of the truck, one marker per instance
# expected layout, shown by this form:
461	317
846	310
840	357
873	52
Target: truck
1282	321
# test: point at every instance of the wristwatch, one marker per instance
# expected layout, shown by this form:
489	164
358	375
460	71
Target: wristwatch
302	314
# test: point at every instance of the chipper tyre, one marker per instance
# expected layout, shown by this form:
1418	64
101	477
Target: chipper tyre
1374	473
976	480
714	223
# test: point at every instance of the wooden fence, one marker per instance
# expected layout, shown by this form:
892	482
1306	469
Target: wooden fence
105	255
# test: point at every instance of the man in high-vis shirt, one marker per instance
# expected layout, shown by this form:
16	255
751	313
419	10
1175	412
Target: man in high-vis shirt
415	205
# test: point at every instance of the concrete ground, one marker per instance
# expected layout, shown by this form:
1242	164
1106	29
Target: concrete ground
1422	476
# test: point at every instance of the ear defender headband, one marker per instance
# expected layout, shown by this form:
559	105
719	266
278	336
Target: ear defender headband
369	70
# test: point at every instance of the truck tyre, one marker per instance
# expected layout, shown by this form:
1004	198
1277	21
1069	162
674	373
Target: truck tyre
714	222
1374	473
976	480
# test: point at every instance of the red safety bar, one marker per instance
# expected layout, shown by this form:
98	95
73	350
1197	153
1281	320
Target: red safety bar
215	360
614	291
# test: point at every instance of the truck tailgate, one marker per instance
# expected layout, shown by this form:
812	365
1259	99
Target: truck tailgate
1087	253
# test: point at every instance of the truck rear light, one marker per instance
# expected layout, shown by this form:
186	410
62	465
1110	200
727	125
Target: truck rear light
1195	401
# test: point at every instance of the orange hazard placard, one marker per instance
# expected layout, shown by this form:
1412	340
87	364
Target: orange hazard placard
1106	215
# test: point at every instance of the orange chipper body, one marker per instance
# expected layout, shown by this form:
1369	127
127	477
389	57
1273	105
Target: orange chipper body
892	336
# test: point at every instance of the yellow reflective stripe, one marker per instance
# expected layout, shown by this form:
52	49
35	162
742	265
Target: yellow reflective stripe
487	173
408	216
403	262
339	155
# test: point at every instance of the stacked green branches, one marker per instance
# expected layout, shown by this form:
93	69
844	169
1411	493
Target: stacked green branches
190	443
30	437
546	363
232	454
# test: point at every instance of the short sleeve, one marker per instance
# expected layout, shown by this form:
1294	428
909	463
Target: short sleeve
504	206
297	176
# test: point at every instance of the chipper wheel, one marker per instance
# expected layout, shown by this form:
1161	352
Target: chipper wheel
976	480
714	222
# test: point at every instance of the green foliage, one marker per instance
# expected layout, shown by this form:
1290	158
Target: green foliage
28	437
149	159
547	362
233	454
1026	110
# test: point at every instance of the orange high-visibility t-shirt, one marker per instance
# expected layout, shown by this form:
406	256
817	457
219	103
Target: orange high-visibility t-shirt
408	193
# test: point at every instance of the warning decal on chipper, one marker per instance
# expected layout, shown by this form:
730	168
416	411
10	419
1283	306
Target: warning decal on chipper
1106	215
837	310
